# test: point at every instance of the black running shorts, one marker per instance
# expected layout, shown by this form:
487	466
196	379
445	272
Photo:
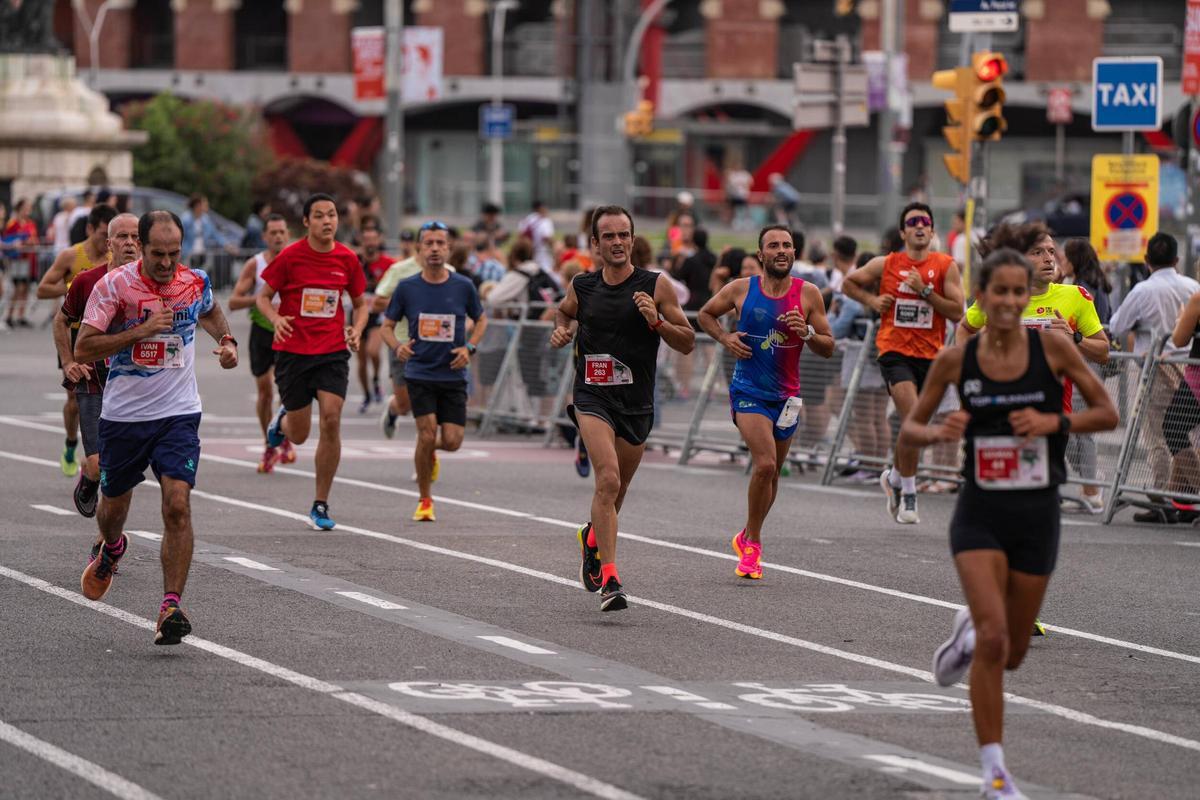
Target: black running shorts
1024	524
299	377
899	368
445	399
633	428
262	357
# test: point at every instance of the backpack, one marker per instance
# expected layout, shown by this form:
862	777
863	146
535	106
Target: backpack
541	288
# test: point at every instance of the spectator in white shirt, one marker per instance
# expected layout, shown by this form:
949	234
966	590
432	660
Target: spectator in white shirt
1150	309
60	226
539	229
1148	313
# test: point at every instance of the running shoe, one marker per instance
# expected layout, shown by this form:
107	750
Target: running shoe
1000	787
891	492
70	466
1038	628
583	466
437	469
1092	503
287	453
378	393
365	405
953	658
95	553
275	435
98	574
173	625
269	457
589	569
424	512
612	596
749	555
319	517
387	422
908	510
86	495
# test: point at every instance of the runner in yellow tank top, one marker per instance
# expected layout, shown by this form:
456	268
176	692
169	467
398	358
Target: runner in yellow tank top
91	252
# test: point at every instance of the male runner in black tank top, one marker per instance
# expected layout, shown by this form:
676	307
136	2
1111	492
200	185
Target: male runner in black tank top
621	313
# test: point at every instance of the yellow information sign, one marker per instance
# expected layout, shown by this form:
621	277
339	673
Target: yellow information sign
1124	206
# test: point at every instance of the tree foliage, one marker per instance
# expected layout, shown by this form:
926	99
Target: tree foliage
200	146
289	182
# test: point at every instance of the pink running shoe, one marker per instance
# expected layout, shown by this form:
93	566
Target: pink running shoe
749	555
269	457
287	453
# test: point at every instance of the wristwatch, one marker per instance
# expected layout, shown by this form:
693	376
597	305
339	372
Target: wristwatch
1077	336
811	333
471	348
928	290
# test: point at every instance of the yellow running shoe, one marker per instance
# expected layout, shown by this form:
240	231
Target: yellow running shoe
424	512
1038	628
437	469
70	466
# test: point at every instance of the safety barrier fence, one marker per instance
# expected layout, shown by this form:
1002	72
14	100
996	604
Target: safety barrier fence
848	423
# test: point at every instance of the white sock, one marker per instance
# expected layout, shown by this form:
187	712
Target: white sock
969	640
894	478
991	756
908	485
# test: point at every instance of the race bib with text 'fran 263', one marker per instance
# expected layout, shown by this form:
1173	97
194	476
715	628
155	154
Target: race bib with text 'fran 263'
602	369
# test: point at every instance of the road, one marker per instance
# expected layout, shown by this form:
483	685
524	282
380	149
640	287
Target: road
461	659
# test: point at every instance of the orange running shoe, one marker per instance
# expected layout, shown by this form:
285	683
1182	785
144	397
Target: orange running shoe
287	453
749	555
269	457
97	576
424	512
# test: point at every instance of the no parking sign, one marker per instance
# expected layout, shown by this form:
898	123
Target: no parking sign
1124	205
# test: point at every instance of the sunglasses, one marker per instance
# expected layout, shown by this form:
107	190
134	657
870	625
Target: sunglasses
913	222
434	225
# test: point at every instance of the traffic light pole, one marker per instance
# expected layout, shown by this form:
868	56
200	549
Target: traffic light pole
837	211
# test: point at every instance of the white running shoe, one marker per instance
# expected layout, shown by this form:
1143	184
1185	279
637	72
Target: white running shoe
1092	503
1000	786
907	515
891	492
953	658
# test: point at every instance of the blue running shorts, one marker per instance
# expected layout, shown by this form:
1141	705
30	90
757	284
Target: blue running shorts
170	446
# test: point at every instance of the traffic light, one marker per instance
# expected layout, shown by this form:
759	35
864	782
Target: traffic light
987	122
958	110
640	121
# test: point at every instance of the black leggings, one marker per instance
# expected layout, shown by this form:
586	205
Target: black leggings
1181	416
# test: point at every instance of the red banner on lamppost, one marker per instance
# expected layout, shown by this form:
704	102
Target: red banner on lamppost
368	46
1191	49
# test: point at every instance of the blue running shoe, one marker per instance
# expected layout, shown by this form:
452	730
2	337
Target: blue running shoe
582	465
320	517
275	435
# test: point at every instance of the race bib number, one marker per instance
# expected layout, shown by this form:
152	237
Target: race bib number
604	370
1009	462
321	303
435	327
1037	323
913	314
159	352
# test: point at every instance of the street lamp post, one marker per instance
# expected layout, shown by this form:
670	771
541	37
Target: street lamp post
94	26
393	175
629	72
500	9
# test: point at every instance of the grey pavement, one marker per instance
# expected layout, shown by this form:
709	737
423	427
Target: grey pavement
461	658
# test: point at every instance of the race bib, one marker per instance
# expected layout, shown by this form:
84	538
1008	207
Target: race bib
321	303
913	314
1009	462
604	370
435	327
1037	323
164	351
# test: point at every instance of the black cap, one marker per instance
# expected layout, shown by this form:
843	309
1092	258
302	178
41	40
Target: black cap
407	235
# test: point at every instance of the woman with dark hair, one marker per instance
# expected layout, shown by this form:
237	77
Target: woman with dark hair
1005	529
1082	268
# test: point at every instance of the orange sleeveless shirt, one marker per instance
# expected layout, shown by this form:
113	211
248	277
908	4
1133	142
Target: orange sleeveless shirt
911	326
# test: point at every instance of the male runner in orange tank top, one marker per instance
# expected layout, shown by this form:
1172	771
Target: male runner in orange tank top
918	291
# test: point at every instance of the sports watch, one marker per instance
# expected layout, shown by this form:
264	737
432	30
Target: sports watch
471	349
1077	336
928	290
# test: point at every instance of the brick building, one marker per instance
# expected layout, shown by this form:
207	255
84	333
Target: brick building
719	69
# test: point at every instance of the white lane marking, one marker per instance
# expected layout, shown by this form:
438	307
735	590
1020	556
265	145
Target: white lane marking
531	763
387	605
515	757
1189	544
1050	708
821	541
903	764
154	537
684	696
516	644
90	772
62	512
250	563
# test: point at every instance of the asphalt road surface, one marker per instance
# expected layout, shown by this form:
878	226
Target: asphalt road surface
461	659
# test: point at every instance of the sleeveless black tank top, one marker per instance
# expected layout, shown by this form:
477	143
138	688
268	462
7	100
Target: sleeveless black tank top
989	403
615	349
